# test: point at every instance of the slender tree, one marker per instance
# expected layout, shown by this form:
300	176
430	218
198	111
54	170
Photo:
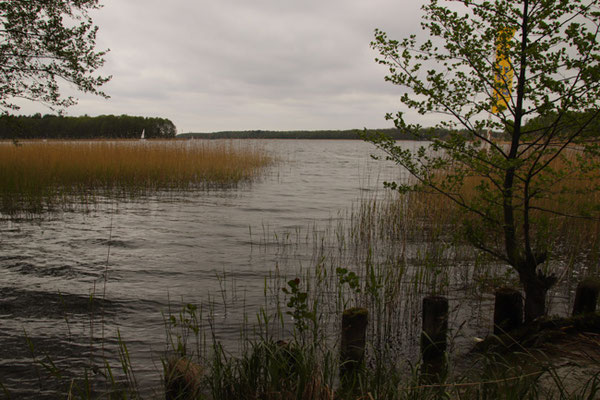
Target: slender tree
529	71
44	43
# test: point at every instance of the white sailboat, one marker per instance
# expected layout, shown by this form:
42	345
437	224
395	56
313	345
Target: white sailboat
143	134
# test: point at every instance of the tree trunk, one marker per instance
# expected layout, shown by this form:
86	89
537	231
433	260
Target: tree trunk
535	301
536	287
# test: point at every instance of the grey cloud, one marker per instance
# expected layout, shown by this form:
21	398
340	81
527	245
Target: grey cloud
241	64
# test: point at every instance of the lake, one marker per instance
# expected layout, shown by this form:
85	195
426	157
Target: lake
144	257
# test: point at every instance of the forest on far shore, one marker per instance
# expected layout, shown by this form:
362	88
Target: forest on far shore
566	125
300	134
85	127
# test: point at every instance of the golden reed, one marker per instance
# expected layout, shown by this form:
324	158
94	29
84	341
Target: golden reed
36	176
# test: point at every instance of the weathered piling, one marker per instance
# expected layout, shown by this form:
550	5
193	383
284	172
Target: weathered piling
182	379
586	296
508	310
354	329
433	337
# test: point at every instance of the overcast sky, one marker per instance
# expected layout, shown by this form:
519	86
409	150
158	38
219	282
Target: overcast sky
248	64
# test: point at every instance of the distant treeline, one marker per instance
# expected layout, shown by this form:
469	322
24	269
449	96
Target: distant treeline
325	134
585	124
102	127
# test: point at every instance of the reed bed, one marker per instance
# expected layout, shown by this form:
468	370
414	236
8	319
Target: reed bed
39	176
564	214
384	254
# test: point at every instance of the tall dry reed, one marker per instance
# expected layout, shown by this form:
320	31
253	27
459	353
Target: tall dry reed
37	176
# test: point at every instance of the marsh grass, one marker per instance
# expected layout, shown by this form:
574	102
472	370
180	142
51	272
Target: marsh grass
300	369
39	176
385	254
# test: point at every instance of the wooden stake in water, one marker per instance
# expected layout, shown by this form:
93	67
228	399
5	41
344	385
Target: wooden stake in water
354	329
586	297
508	310
433	337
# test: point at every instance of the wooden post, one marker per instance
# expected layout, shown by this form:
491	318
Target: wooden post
354	329
182	379
433	337
508	310
586	296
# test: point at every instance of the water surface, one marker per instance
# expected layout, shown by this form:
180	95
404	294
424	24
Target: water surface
143	256
139	259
